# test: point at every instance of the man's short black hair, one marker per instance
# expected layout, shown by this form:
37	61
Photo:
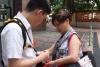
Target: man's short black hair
38	4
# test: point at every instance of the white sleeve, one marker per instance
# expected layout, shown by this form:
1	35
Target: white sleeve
13	42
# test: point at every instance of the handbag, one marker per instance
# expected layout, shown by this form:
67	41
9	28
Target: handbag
85	62
71	65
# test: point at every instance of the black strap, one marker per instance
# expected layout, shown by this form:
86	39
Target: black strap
3	65
21	26
25	31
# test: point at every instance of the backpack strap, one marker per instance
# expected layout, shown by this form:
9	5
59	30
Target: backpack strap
23	30
17	21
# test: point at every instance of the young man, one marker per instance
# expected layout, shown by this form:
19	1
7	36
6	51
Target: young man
12	38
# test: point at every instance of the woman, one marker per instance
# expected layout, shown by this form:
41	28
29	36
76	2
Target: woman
66	52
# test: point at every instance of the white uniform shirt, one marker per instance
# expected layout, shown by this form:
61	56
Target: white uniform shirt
12	41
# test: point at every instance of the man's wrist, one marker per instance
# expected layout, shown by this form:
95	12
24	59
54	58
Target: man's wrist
39	59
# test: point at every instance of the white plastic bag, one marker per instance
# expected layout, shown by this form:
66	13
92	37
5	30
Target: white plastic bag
85	62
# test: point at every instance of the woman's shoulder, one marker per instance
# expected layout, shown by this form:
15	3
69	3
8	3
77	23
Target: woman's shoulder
75	39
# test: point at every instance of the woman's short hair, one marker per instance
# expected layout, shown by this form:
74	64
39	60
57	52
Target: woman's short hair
61	16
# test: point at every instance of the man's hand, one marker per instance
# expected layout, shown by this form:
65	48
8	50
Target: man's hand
44	54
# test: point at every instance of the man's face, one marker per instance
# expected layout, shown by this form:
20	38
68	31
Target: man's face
38	18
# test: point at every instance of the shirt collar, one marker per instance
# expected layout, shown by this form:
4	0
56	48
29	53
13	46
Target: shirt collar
23	19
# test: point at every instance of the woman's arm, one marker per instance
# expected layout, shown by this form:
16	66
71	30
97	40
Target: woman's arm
74	52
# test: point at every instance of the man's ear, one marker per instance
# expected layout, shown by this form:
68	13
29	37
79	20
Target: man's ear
39	12
67	20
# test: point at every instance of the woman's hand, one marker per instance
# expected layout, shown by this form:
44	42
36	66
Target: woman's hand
50	64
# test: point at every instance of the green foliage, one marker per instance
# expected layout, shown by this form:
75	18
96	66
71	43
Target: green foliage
78	5
82	5
56	4
98	4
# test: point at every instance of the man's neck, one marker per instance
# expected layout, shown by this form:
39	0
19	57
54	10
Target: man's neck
27	15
